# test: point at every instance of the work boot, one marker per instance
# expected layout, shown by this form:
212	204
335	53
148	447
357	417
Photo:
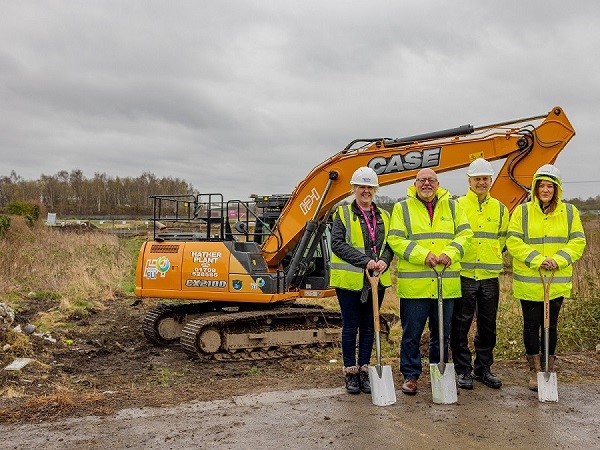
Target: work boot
489	379
352	380
551	359
535	366
363	376
465	381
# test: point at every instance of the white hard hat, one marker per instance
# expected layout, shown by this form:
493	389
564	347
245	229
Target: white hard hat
548	170
364	176
480	167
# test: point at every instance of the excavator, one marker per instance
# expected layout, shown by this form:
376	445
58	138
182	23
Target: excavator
234	272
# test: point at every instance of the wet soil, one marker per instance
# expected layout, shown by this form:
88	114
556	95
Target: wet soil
102	365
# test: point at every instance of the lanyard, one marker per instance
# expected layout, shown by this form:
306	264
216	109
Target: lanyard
371	227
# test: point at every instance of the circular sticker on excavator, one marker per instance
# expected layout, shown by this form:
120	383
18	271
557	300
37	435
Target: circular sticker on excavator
260	282
163	264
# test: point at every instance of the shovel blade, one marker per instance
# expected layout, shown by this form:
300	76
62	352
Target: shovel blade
443	385
547	387
383	392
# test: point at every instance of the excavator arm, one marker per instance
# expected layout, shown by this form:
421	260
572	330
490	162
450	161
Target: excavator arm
524	144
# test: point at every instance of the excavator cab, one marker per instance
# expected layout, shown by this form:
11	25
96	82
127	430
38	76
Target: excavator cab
313	272
268	209
242	227
317	272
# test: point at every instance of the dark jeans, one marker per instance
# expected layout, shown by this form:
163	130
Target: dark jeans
479	298
533	325
413	315
357	319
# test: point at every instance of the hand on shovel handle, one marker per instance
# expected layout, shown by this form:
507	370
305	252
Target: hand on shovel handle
373	277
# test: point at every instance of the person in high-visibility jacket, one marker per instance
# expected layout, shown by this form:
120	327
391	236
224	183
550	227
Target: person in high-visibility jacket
545	237
480	285
358	243
427	229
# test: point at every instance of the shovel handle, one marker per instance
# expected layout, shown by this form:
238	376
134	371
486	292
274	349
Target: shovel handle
439	274
374	281
546	286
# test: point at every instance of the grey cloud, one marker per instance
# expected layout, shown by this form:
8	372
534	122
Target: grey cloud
249	96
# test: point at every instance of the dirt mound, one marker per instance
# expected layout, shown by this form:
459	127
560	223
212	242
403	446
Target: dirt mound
74	227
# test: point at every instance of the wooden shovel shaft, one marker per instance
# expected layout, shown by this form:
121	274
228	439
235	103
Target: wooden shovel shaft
546	286
374	281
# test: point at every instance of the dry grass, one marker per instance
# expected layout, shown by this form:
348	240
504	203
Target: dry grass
13	392
71	268
19	342
58	404
70	275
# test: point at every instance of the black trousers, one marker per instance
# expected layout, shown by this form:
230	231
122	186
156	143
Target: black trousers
479	299
533	325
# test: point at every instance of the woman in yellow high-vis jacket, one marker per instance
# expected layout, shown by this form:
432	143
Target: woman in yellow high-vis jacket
359	242
544	234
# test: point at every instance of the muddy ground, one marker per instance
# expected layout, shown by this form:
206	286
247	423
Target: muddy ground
101	364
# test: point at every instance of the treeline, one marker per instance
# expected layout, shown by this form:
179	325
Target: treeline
70	193
592	203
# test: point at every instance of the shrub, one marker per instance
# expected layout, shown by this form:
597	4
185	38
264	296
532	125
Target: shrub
4	225
31	211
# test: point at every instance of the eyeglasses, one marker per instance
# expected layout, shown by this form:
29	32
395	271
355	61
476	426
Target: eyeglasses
426	180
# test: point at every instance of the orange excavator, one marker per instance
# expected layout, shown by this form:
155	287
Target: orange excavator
233	272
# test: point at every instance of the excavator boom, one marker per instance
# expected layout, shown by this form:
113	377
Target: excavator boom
524	145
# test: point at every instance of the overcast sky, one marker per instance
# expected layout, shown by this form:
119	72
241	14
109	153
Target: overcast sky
245	97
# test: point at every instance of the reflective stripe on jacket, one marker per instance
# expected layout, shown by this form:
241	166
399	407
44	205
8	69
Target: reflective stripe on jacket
413	235
534	236
345	275
489	222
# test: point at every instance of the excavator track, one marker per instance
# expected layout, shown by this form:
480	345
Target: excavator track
261	334
164	323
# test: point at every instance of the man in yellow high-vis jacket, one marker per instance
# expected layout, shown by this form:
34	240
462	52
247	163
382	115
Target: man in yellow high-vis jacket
428	228
480	286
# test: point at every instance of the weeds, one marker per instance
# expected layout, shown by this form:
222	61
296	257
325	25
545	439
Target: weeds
19	343
165	376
